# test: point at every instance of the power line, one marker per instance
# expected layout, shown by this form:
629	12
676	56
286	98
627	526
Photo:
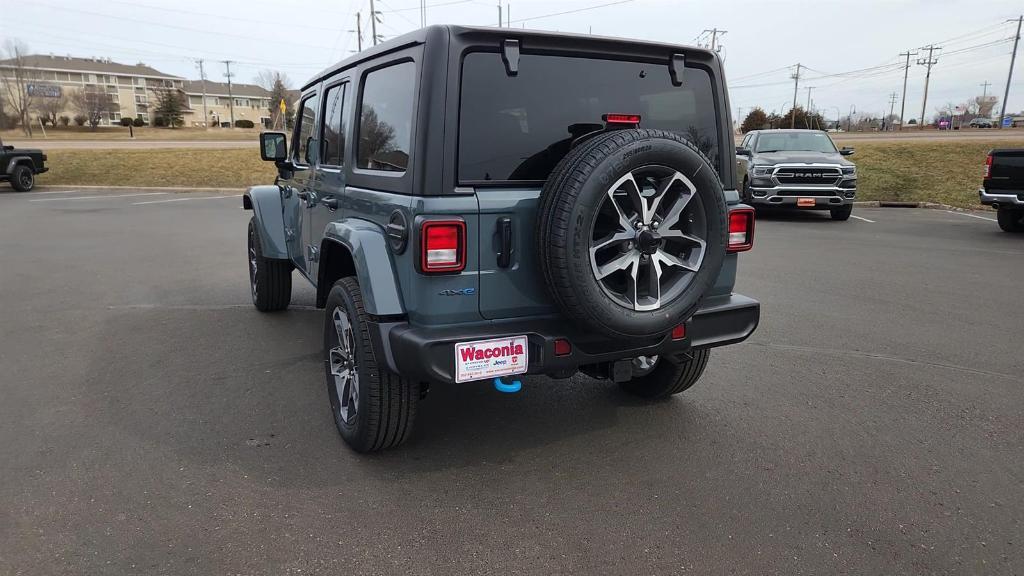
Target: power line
577	10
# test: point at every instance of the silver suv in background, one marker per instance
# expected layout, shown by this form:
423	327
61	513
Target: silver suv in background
797	169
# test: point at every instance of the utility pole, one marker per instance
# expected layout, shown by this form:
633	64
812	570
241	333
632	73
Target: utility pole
892	106
499	13
1009	75
373	23
715	46
202	78
984	89
359	32
231	97
809	88
796	84
928	62
906	71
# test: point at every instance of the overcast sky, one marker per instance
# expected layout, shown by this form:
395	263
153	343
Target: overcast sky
765	39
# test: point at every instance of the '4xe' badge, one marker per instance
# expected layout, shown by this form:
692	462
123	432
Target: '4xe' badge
458	292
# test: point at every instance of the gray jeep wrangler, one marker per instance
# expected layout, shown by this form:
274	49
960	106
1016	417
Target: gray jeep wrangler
476	204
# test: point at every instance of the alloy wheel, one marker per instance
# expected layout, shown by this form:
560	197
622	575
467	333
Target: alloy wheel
649	238
343	368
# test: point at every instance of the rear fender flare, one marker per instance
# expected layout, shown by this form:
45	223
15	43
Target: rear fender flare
265	202
371	263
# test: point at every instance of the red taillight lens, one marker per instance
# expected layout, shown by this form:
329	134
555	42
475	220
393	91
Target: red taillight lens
741	229
632	119
988	166
562	347
679	332
444	246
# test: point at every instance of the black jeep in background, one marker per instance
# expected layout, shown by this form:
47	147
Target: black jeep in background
1003	187
19	166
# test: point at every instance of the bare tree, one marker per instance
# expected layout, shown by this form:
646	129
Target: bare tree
15	77
49	109
92	104
984	105
278	84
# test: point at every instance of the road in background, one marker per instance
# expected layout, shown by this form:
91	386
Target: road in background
47	144
153	422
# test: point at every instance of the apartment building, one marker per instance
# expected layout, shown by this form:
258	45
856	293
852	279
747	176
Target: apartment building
251	102
131	87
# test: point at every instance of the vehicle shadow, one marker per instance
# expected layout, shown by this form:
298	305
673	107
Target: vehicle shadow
780	215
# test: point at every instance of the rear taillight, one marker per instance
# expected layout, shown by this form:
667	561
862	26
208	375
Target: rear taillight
988	166
443	246
741	229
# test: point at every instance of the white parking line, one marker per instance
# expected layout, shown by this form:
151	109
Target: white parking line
859	218
57	192
98	197
184	199
973	216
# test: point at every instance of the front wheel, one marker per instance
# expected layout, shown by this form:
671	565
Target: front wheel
22	178
1010	220
841	213
373	408
270	279
665	377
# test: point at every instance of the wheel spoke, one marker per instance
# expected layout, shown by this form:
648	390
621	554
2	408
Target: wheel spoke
653	285
615	238
676	210
660	195
619	263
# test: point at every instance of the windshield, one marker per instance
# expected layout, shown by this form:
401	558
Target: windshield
795	141
519	127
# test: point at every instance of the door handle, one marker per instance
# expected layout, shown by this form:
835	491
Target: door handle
505	240
330	202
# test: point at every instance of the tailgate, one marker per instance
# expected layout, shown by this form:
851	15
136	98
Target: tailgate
1007	171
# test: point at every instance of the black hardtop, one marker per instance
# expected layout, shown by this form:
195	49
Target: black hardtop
584	43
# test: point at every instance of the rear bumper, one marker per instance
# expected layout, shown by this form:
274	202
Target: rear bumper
428	353
1001	198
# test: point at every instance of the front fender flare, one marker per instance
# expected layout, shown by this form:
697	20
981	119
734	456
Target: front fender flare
374	268
265	202
17	160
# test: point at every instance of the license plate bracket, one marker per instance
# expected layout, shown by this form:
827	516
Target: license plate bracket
806	202
492	358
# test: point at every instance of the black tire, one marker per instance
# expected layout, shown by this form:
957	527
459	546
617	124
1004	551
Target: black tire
22	178
668	378
385	406
569	206
842	213
1010	220
270	279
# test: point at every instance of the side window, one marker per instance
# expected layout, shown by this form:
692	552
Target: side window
746	140
385	118
304	153
333	136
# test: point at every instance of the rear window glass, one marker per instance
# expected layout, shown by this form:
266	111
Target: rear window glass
519	127
385	118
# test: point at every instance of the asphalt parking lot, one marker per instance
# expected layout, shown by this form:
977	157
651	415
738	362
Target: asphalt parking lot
152	422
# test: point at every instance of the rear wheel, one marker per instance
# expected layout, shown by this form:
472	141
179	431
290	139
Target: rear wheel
660	378
22	178
373	408
1011	220
841	213
270	279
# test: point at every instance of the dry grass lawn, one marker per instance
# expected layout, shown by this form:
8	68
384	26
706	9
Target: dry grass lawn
232	168
917	171
944	172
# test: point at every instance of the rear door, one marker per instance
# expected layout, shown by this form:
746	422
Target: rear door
325	204
514	129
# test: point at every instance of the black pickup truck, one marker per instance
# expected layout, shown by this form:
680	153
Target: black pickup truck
19	166
1003	187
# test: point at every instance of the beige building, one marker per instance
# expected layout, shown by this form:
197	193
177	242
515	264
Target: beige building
131	87
251	102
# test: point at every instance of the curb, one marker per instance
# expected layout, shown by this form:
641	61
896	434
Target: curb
926	205
177	189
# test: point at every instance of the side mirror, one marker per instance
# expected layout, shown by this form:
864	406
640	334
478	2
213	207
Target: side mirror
845	151
740	151
273	147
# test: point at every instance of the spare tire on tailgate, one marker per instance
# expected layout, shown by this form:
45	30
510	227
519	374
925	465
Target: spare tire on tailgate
632	231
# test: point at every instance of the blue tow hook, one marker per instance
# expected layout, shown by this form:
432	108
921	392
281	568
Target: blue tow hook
511	388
